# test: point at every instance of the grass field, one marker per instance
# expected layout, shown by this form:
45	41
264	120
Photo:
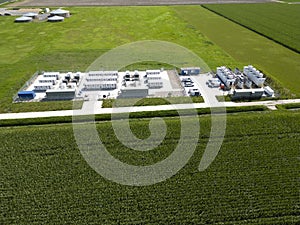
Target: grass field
74	44
254	179
246	46
280	22
109	103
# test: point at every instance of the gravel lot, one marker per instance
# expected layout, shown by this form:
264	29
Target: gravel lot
126	2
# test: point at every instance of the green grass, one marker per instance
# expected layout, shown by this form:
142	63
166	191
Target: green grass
290	0
74	44
289	106
109	103
254	179
44	106
246	46
279	22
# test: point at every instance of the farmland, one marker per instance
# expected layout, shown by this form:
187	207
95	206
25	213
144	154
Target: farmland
280	22
74	44
254	179
245	46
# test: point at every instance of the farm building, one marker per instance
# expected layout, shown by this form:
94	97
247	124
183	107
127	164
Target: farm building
240	94
56	19
190	71
23	19
254	75
60	94
26	95
60	13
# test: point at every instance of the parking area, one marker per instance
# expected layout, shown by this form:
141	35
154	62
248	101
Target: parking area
202	82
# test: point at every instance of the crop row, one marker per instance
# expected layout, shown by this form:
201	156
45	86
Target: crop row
254	178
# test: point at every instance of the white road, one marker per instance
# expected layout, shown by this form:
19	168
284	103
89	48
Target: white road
94	107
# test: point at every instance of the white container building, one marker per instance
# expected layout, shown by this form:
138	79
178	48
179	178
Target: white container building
254	75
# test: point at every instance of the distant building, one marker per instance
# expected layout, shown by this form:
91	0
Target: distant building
23	19
56	19
31	15
60	12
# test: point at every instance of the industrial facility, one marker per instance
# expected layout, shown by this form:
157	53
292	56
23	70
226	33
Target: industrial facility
102	84
246	84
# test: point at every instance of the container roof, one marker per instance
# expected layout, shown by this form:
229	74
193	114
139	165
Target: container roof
23	18
30	14
56	18
25	92
59	11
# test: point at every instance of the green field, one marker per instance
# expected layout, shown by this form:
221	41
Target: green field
280	22
254	179
245	46
109	103
74	44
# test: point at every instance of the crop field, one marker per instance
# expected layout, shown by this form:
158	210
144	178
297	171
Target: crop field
248	47
74	44
254	179
280	22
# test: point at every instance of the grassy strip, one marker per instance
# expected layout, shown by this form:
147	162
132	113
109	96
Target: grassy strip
44	106
134	115
289	106
109	103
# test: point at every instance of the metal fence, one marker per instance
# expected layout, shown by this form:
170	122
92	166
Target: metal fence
26	86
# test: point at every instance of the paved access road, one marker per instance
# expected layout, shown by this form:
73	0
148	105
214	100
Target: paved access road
94	107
